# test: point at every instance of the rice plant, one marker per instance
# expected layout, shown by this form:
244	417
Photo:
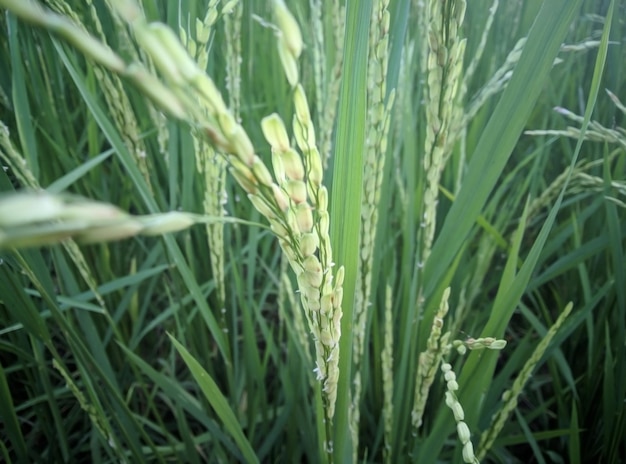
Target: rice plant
312	231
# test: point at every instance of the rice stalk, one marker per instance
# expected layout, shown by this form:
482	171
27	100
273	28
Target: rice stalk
596	132
19	168
511	396
434	357
471	68
209	163
319	62
429	361
580	179
332	82
453	403
580	182
35	218
378	117
444	63
443	111
112	88
387	368
304	231
496	84
232	33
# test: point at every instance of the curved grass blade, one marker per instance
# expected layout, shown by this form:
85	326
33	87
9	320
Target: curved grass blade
218	402
10	419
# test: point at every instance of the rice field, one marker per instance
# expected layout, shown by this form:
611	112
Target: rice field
377	231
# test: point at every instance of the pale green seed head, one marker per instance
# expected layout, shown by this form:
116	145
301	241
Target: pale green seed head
172	221
90	46
304	134
280	197
314	165
171	45
497	345
313	305
289	28
457	411
292	221
92	212
296	189
275	132
312	293
304	217
278	167
449	399
314	278
338	297
341	272
229	7
261	206
290	65
337	315
261	172
242	146
468	453
312	264
301	105
279	229
147	37
23	208
294	169
463	431
327	304
324	223
327	340
308	244
247	182
210	19
227	124
116	231
210	95
322	199
192	47
151	86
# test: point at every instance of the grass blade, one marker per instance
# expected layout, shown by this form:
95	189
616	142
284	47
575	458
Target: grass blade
217	400
10	420
345	205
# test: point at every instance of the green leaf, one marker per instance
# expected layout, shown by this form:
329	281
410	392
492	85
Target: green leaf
10	419
345	204
217	401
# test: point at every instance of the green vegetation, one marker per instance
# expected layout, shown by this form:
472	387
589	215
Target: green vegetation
312	231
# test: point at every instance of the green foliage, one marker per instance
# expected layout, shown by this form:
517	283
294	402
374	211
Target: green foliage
524	224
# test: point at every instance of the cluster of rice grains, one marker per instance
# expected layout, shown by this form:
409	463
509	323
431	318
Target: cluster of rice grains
297	207
436	356
379	103
291	195
295	203
442	62
209	163
293	200
444	70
